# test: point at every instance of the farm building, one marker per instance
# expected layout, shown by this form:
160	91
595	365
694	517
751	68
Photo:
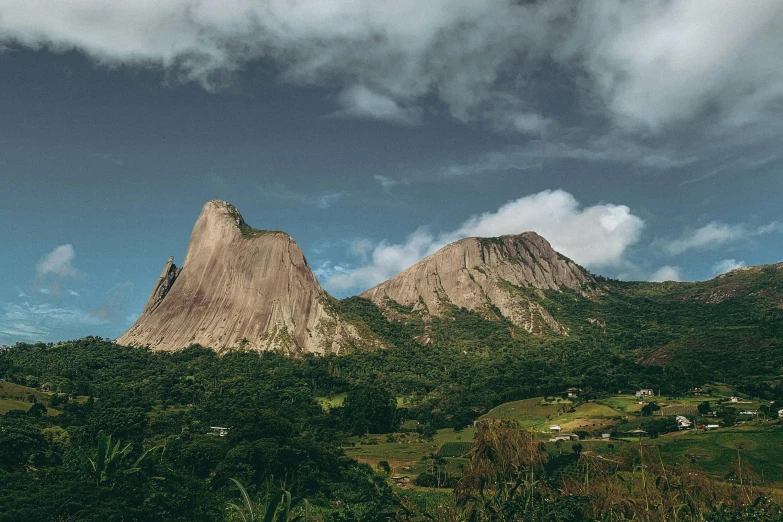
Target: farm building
219	431
780	413
400	480
555	428
683	423
645	393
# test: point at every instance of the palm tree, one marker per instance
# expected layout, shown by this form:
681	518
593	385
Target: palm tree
110	461
280	504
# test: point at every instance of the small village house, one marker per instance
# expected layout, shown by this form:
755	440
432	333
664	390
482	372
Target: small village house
219	431
683	423
555	428
645	393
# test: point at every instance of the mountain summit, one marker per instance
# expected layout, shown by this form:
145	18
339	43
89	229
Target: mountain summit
239	287
492	276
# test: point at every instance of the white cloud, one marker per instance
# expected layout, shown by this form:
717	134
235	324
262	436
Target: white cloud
359	101
388	183
715	234
647	65
666	273
727	265
385	261
595	236
58	262
658	63
710	235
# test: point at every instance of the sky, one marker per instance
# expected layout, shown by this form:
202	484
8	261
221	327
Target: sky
642	139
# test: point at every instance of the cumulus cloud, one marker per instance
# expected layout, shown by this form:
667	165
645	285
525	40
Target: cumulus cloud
646	65
58	262
54	268
715	234
596	236
727	265
666	273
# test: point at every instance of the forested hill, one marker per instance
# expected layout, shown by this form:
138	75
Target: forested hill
728	328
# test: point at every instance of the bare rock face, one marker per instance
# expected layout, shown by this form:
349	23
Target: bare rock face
239	288
488	275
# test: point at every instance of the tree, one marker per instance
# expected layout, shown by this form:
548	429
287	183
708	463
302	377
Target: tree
704	408
649	408
370	409
37	410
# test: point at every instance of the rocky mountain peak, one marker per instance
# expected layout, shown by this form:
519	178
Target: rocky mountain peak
239	287
488	275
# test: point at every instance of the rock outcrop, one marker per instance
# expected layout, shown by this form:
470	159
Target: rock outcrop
489	276
239	288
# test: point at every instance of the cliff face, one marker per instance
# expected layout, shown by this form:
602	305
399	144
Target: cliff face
239	287
488	275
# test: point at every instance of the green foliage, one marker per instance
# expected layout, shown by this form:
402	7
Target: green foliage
369	409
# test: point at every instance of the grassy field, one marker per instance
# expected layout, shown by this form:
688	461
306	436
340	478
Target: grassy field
758	445
529	413
405	454
539	415
15	397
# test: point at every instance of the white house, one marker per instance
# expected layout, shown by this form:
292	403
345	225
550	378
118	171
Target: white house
219	431
780	413
683	423
645	393
555	428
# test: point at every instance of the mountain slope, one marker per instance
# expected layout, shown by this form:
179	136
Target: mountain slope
496	277
240	287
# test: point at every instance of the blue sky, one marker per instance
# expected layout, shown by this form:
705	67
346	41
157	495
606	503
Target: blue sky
642	139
